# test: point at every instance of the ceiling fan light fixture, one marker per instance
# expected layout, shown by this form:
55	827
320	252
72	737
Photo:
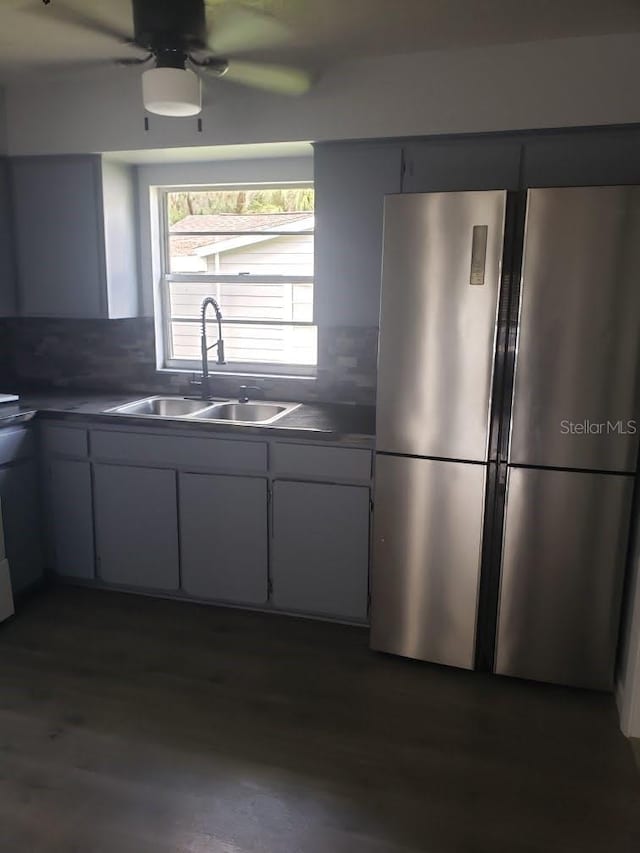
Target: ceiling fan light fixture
173	92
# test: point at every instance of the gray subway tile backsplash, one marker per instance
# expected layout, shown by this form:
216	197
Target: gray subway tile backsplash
119	355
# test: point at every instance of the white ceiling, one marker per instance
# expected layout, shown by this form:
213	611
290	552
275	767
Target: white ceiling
324	31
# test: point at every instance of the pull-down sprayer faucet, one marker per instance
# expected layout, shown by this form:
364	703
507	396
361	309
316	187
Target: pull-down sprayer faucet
204	347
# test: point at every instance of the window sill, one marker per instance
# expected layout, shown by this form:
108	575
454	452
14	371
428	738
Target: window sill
240	374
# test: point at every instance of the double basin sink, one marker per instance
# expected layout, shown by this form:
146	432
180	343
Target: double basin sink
223	411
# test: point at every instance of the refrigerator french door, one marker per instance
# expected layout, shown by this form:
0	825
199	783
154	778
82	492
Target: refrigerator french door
573	444
503	493
440	285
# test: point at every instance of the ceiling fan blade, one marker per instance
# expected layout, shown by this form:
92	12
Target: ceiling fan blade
63	70
236	29
133	60
63	14
273	78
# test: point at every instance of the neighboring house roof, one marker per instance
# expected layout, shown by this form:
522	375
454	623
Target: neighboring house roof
232	223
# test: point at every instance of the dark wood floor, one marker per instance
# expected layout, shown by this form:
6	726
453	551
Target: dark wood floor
129	725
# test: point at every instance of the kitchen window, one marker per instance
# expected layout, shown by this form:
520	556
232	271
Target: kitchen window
251	248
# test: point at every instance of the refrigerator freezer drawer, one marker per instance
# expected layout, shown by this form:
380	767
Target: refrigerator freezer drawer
426	558
440	282
576	380
562	571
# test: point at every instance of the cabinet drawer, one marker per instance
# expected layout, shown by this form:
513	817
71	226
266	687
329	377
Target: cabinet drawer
326	463
179	452
15	444
65	441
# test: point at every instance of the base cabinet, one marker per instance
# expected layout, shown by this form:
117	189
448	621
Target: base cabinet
280	526
70	518
136	522
19	498
320	552
223	537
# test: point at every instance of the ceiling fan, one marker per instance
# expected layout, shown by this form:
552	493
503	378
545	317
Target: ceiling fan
183	48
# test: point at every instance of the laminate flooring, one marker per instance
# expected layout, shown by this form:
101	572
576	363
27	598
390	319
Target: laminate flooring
139	725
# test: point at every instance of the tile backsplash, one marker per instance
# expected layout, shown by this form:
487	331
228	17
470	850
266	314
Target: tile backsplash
119	355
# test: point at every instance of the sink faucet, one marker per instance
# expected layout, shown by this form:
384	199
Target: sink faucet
219	344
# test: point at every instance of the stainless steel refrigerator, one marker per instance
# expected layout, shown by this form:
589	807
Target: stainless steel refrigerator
505	441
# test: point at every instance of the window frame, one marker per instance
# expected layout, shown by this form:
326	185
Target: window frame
240	368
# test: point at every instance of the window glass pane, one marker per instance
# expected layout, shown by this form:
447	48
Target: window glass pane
263	344
250	300
251	234
191	207
236	254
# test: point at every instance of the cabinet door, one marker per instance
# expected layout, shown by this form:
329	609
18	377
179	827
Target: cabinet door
7	271
459	165
70	518
22	522
59	245
350	183
582	158
223	537
321	549
136	523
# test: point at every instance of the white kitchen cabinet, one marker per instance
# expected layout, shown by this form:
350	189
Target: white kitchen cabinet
74	224
223	538
70	518
260	522
136	524
320	557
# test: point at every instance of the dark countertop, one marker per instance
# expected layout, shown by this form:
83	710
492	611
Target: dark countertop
332	422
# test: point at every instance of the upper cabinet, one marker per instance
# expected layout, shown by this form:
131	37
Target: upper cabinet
601	156
458	165
74	221
351	181
7	270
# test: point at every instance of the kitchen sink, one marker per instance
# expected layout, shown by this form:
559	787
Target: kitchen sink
162	407
255	413
221	411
